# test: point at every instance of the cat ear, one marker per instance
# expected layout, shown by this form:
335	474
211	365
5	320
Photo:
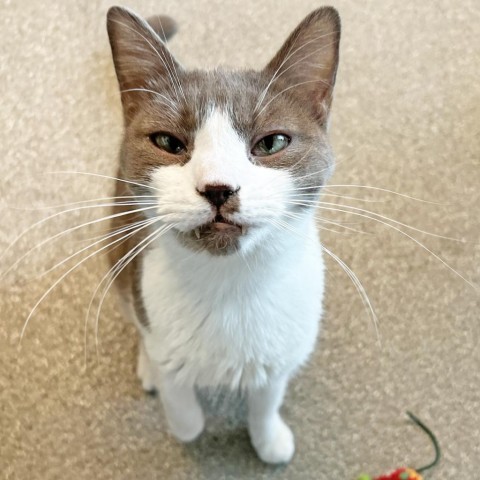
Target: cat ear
165	27
308	60
139	54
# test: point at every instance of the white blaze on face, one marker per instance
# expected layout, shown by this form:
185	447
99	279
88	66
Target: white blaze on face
220	156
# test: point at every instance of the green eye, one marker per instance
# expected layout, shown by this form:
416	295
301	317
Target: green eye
271	144
168	143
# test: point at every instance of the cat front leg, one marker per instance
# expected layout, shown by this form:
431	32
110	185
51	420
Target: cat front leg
182	410
184	414
270	435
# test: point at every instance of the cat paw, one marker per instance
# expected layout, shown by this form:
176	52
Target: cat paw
189	427
277	446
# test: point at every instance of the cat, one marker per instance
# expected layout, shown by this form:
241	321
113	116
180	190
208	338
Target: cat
222	269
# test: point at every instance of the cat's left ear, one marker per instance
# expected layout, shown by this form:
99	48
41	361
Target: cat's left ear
308	60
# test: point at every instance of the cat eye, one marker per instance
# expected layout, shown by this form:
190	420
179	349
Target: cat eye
271	144
168	143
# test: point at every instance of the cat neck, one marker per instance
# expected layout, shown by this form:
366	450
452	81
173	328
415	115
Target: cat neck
280	246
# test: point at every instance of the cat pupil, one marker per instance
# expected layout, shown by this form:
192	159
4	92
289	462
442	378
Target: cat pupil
269	142
168	143
273	143
174	145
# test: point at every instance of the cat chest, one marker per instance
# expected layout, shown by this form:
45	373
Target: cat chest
227	333
230	343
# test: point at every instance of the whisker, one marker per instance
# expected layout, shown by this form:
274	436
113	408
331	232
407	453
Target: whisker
360	289
324	220
472	285
115	271
305	57
336	195
287	57
385	190
124	198
102	238
312	203
58	281
351	229
297	217
107	231
99	175
292	168
393	192
175	81
173	63
328	167
146	90
353	277
76	227
146	223
285	90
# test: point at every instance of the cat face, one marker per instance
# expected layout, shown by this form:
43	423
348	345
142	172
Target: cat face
226	153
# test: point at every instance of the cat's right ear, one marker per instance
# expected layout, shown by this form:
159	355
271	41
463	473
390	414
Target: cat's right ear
139	53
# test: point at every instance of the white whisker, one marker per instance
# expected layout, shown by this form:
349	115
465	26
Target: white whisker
63	232
175	82
99	175
351	229
353	277
359	287
336	195
146	90
385	190
290	53
173	63
330	208
289	88
58	281
102	238
115	271
443	262
320	202
144	199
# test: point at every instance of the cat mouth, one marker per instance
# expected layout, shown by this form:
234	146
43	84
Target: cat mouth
220	226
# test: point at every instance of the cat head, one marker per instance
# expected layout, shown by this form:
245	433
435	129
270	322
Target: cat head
231	156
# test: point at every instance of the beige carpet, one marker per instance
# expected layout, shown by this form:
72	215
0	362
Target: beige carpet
406	118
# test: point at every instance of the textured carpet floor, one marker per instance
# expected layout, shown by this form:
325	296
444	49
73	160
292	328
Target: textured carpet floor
406	117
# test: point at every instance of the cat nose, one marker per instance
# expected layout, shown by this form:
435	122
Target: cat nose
217	195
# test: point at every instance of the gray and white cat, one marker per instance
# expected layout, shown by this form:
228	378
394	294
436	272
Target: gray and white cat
222	271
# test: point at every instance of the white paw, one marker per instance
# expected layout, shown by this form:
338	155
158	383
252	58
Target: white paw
189	426
277	445
144	371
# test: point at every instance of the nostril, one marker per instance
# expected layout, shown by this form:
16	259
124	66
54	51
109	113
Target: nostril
217	195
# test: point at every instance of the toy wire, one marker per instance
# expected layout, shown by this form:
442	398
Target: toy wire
432	437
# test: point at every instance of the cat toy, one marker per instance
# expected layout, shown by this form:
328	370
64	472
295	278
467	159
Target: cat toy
410	473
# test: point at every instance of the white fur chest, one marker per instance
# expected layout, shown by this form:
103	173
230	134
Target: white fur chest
231	320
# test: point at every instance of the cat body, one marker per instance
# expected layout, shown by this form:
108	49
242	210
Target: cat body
229	320
224	275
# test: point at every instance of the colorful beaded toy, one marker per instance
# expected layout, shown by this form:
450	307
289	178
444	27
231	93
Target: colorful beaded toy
400	474
410	473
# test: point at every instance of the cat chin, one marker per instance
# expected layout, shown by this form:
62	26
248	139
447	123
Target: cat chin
220	237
